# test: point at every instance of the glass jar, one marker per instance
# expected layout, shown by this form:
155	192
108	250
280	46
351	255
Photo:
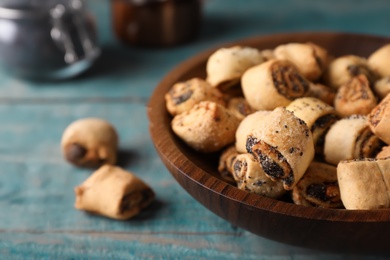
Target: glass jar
157	23
46	39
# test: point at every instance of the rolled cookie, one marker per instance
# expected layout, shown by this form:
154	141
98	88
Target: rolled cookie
207	127
350	138
251	177
114	193
184	95
225	165
272	84
247	126
283	146
384	153
355	97
90	142
239	107
322	92
317	115
364	183
382	87
225	66
379	120
344	68
309	58
379	61
318	187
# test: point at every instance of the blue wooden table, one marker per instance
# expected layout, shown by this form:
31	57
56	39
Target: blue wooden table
37	218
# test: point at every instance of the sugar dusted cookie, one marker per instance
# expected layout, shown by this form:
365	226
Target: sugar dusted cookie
225	66
207	127
184	95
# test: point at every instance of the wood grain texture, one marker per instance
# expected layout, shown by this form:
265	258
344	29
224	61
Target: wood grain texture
330	229
37	219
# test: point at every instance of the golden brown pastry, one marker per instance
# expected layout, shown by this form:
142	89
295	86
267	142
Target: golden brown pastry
384	153
207	127
322	92
364	183
251	177
247	126
240	107
90	142
114	193
344	68
272	84
355	97
283	146
309	58
318	115
350	138
225	66
225	166
318	187
379	120
184	95
379	61
382	87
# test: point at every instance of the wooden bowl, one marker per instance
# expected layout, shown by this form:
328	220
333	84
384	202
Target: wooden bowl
316	228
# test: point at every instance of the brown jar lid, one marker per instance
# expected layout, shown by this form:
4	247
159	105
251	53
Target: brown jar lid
157	23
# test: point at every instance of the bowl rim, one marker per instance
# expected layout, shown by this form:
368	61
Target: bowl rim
161	138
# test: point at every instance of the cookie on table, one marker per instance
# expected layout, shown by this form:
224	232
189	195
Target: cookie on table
90	142
272	84
379	61
207	127
251	177
184	95
310	59
355	97
225	66
114	193
364	183
342	69
318	187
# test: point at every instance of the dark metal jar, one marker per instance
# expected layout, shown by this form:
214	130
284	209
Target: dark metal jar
157	23
46	39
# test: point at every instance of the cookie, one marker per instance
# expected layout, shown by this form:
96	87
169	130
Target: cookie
225	164
322	92
379	61
283	146
382	87
114	193
272	84
225	66
364	183
342	69
251	177
207	127
317	115
90	142
240	107
384	153
350	138
379	120
318	187
309	58
184	95
355	97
